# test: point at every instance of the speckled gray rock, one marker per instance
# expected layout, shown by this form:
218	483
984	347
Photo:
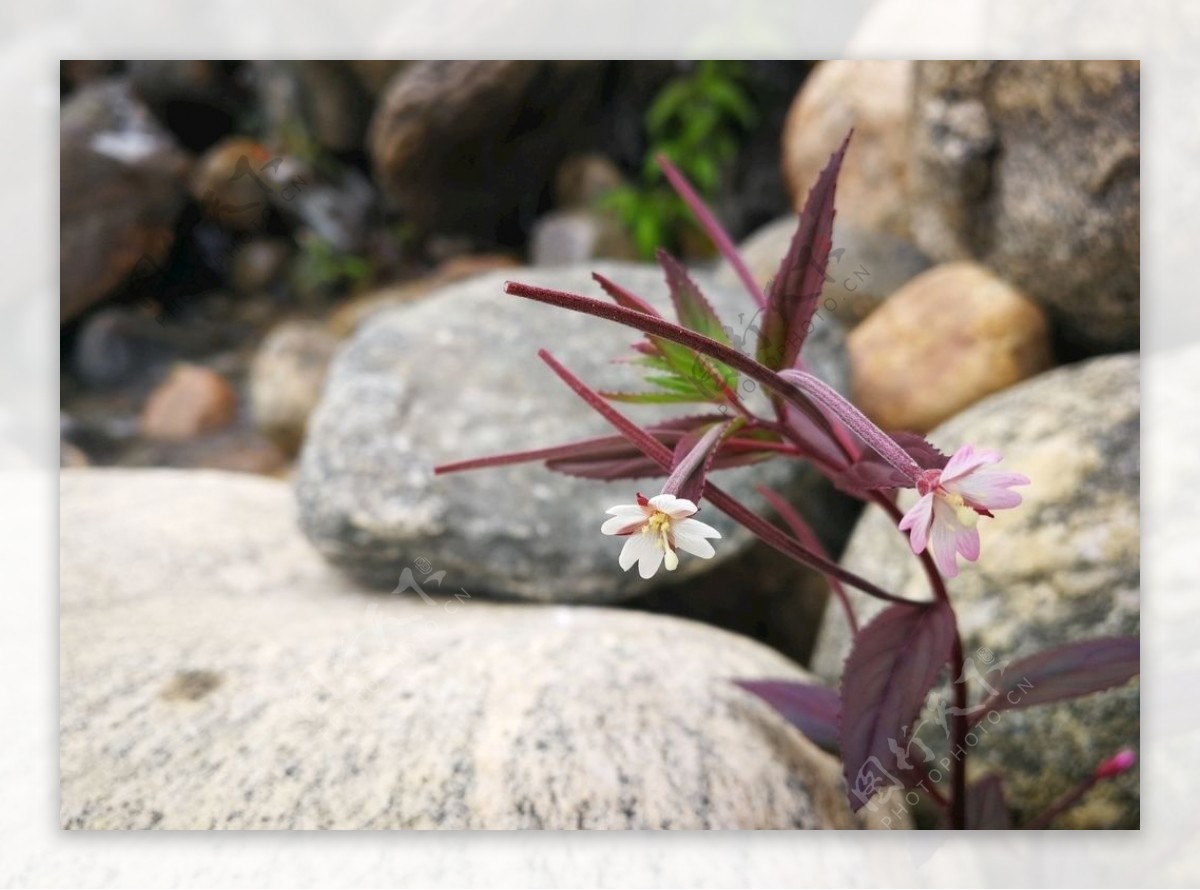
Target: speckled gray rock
217	673
865	267
1061	567
1033	168
457	376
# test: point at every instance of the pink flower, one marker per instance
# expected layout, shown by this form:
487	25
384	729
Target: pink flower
656	528
952	500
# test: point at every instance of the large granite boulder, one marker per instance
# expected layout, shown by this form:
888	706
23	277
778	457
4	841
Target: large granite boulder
217	673
1034	169
457	376
1063	566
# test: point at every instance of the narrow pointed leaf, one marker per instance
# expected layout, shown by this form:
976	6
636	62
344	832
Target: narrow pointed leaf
691	307
792	298
716	233
1064	672
892	666
660	327
811	709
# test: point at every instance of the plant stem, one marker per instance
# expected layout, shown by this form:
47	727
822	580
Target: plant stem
960	724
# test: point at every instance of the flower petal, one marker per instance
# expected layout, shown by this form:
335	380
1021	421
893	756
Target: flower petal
968	544
943	546
649	558
966	461
694	528
990	489
916	521
635	546
694	545
676	508
627	510
623	525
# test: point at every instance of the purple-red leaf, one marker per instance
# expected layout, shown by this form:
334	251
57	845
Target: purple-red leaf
1064	672
719	237
693	458
656	326
794	293
811	709
870	472
986	808
892	667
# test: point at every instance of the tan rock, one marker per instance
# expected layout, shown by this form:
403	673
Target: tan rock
286	379
873	97
945	340
193	400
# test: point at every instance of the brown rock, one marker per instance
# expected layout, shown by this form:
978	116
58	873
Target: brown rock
1033	168
120	192
469	146
875	99
193	400
227	183
945	340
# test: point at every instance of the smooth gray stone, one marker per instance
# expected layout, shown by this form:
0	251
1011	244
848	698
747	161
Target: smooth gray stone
457	376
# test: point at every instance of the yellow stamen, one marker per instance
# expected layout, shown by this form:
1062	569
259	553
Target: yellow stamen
966	515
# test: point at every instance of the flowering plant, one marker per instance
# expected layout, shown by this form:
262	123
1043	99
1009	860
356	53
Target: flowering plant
898	658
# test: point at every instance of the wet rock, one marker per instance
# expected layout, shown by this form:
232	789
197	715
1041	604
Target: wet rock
262	689
455	376
193	400
1061	567
198	100
875	99
120	193
1033	168
286	379
945	340
469	147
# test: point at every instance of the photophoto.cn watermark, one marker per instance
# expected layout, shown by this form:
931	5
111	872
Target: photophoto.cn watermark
892	797
383	627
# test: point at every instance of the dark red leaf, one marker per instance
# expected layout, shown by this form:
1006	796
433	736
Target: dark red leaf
811	709
1063	672
892	667
719	237
986	808
872	473
792	298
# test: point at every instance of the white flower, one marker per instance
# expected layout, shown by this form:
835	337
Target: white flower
657	527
